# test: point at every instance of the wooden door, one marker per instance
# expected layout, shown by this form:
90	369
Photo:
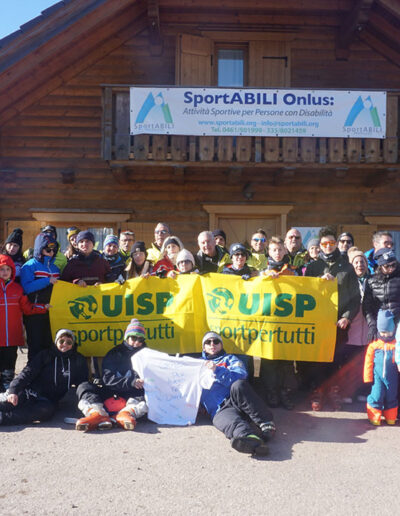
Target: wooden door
269	64
193	60
242	229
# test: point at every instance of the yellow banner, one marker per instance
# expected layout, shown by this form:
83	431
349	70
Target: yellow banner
292	318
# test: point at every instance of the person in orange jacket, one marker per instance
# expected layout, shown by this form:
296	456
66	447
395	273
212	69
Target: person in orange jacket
381	369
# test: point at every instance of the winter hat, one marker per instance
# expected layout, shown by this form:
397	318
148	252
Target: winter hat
88	235
138	247
353	252
171	240
219	232
384	256
135	329
64	331
237	248
111	239
385	321
72	231
211	335
314	242
49	229
184	255
15	237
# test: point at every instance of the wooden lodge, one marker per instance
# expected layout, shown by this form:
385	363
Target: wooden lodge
67	157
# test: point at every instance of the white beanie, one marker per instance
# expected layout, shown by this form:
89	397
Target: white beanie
184	255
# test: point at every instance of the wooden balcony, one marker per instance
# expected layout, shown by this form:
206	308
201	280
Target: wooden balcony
119	147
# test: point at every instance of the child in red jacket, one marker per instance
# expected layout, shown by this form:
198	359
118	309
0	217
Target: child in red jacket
13	304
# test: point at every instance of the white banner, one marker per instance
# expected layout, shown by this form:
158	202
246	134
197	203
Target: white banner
251	112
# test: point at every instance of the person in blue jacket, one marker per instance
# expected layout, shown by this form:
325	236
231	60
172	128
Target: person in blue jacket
231	401
38	275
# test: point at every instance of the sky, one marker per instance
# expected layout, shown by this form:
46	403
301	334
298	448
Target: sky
14	13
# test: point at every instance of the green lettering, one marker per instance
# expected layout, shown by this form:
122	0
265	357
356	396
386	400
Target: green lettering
129	304
106	306
283	308
163	299
243	301
304	302
267	304
145	304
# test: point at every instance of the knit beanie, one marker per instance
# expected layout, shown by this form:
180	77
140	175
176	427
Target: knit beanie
219	232
184	255
171	240
64	331
15	237
211	335
385	321
384	256
314	242
353	252
111	239
138	247
72	231
135	329
88	235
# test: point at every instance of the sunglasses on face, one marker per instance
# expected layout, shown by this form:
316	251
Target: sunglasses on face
240	255
66	340
161	232
49	249
330	243
212	341
345	241
293	236
259	239
138	339
391	265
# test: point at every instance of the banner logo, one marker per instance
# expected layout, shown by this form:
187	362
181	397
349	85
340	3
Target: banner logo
366	107
83	307
220	300
150	105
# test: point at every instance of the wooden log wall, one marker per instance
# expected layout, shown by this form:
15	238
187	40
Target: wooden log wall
64	131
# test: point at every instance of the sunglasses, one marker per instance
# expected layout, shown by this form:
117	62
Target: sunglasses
241	255
292	236
345	241
328	243
212	341
49	249
259	239
391	265
138	339
66	340
161	232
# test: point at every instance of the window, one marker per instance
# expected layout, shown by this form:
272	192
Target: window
231	67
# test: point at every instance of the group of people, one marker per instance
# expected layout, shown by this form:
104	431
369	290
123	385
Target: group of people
368	313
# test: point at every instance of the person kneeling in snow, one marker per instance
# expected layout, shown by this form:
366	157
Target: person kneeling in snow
231	401
121	394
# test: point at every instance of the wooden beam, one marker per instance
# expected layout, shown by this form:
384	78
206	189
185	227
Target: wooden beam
352	24
380	47
179	175
120	174
284	176
153	15
381	177
235	175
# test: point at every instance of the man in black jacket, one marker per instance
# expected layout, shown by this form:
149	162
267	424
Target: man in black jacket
330	265
33	395
121	391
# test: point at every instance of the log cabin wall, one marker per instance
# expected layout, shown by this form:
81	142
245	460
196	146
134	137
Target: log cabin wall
51	152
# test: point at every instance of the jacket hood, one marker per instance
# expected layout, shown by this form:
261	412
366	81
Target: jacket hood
41	241
7	260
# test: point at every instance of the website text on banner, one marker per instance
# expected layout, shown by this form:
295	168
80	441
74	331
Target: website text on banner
250	112
285	318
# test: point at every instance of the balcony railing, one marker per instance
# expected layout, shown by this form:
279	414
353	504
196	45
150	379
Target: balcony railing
119	146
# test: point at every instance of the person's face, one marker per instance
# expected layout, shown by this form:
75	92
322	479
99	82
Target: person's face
139	258
172	251
207	245
160	234
344	243
328	244
258	242
212	346
360	266
135	342
48	252
126	242
238	260
72	240
5	272
85	246
12	248
314	251
220	240
276	252
64	343
384	241
111	249
293	240
184	266
389	267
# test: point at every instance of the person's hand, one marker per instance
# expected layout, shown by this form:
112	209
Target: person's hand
270	273
343	323
47	306
139	383
53	280
172	274
211	365
328	276
145	275
81	283
13	399
398	367
97	284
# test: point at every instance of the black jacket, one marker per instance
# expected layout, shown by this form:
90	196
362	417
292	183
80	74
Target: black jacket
118	374
206	263
51	373
348	289
382	291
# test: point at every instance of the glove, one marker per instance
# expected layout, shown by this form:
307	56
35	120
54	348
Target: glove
120	279
372	334
246	276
